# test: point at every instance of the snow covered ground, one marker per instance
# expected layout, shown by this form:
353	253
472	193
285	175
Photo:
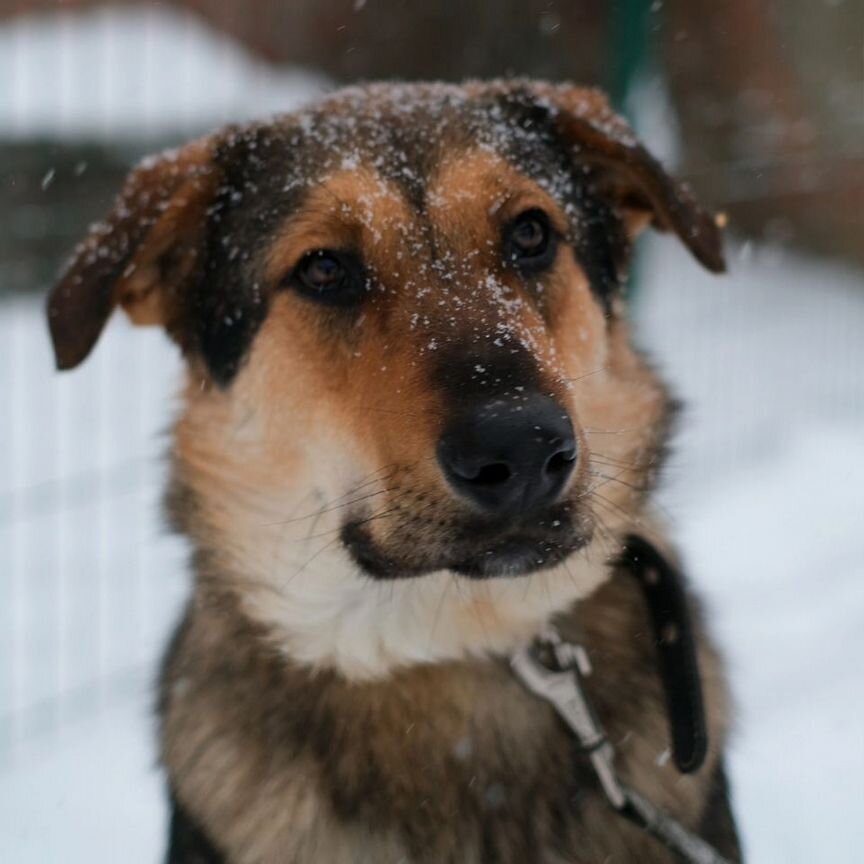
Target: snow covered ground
766	491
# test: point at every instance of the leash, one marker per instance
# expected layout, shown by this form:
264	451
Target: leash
554	670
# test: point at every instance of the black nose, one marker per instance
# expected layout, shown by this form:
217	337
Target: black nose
511	456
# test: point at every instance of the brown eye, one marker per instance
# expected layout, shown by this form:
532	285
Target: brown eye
330	277
530	241
323	272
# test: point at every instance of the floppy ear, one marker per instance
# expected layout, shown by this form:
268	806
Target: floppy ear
635	181
141	257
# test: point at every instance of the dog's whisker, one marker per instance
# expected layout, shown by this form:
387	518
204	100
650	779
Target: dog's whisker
624	430
570	574
312	558
585	375
322	511
607	479
635	464
438	610
395	505
612	508
411	414
606	537
373	477
364	521
603	478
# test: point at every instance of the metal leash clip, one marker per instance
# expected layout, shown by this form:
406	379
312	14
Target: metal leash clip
553	670
561	684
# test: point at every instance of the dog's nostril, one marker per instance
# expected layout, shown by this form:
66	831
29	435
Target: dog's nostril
492	475
561	461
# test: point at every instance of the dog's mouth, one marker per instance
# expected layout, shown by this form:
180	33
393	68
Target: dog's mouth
470	548
516	556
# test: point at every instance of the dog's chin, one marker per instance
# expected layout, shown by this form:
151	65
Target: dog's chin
510	556
515	557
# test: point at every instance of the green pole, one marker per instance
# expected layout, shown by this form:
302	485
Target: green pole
629	48
629	57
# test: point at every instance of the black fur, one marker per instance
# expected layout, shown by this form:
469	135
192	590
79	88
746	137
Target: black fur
718	824
187	843
598	238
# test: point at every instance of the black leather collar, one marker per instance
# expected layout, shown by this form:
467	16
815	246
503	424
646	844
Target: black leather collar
663	587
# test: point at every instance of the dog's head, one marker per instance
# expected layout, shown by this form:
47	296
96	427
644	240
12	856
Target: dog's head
402	316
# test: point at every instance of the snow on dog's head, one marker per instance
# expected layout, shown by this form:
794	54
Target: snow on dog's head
409	369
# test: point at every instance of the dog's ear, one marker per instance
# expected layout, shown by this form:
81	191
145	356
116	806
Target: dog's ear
641	190
141	257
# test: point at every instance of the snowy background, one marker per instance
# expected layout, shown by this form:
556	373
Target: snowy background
766	491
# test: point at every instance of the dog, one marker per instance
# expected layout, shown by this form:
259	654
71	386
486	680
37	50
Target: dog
414	432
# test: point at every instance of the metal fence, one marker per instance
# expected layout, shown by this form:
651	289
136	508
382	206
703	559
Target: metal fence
90	582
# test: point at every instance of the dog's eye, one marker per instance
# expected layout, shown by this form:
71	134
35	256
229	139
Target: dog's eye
529	241
333	278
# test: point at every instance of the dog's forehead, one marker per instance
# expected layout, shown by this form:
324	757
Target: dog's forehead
402	133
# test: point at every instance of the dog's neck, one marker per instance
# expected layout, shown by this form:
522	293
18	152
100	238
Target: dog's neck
332	616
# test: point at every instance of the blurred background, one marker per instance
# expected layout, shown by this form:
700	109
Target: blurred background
758	103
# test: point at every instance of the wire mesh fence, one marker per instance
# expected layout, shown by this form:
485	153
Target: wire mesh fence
90	580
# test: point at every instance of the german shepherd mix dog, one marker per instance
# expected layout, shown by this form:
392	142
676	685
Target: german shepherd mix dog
414	433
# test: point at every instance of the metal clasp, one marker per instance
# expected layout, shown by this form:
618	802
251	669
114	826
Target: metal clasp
561	684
